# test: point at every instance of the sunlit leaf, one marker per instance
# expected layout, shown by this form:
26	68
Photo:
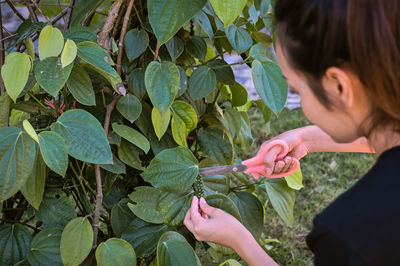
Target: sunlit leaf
51	42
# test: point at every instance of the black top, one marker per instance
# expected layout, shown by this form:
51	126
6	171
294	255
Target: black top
362	226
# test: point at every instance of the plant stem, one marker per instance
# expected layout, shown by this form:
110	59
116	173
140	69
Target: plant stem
15	10
156	52
32	13
2	88
112	15
122	36
69	13
41	12
138	16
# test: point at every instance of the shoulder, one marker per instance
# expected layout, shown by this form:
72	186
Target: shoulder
362	225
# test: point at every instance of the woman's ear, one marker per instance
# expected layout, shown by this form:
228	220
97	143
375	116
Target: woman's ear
339	86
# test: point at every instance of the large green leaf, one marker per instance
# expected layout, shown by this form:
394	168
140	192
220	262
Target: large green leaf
197	47
81	11
160	121
143	236
173	207
270	84
80	86
228	10
80	34
45	248
56	210
15	73
223	71
133	136
215	144
130	107
204	22
260	52
251	211
68	54
295	180
76	241
84	136
51	42
50	75
115	251
17	157
174	250
145	204
172	170
184	120
34	186
224	203
136	82
239	38
54	151
168	16
202	82
15	241
121	216
232	121
135	43
175	47
162	84
5	103
282	198
129	154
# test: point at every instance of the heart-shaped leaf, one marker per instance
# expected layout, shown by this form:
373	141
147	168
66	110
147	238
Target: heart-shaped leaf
228	10
145	205
115	251
175	47
135	43
160	121
51	42
68	54
45	246
15	241
80	86
130	107
54	151
184	120
173	207
202	82
239	38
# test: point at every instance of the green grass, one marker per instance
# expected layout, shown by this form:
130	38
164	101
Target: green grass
325	176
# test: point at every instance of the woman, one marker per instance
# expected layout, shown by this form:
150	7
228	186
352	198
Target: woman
343	58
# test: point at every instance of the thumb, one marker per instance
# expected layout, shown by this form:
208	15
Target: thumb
207	209
270	157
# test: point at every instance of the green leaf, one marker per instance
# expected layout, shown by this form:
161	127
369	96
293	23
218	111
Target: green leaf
51	76
129	154
143	236
239	94
135	43
228	10
261	37
30	130
117	167
202	82
51	42
295	180
76	241
223	71
45	247
136	82
80	86
239	38
232	121
175	47
115	251
265	111
182	82
80	34
282	199
251	210
204	22
173	207
15	241
34	186
160	121
82	9
261	53
172	170
54	151
162	84
84	136
224	203
17	157
167	17
215	145
133	136
145	207
5	103
15	73
69	53
230	262
197	47
270	85
130	107
121	216
184	120
56	210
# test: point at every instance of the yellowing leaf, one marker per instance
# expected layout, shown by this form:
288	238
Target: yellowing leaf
210	53
69	53
184	120
160	121
30	130
228	10
295	180
51	42
30	47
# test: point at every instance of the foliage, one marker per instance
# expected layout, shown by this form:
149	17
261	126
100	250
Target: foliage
102	135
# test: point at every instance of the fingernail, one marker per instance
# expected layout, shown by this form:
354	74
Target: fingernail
202	201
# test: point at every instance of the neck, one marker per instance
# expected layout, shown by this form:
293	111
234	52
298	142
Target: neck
382	139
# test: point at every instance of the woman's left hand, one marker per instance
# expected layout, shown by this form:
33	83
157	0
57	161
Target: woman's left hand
211	224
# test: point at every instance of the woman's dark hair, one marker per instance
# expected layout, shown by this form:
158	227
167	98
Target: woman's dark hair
363	34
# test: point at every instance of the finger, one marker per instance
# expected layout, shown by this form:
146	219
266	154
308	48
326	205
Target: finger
194	210
286	167
188	222
270	157
278	167
207	209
